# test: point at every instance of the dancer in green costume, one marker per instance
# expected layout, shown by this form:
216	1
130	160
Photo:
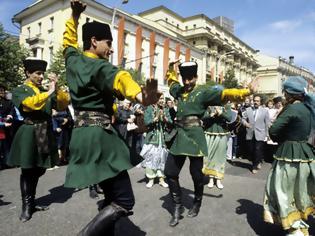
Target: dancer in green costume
97	153
216	134
33	147
189	140
290	189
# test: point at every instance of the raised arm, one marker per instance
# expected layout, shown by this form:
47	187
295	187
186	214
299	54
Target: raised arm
70	36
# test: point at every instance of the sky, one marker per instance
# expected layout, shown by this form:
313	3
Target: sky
275	27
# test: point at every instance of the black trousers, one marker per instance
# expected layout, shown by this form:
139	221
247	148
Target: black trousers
256	150
119	190
174	164
33	174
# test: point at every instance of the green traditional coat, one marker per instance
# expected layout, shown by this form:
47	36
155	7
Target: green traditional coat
96	154
190	141
155	134
290	188
24	151
291	130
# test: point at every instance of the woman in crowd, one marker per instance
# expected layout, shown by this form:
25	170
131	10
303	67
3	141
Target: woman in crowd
156	118
216	136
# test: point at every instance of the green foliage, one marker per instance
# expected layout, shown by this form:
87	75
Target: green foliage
137	76
58	67
211	83
229	80
11	60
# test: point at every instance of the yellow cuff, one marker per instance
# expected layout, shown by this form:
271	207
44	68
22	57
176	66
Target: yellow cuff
171	77
63	99
70	36
36	102
124	85
234	94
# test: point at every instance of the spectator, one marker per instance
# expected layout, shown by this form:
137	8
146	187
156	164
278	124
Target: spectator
216	134
154	150
256	120
7	113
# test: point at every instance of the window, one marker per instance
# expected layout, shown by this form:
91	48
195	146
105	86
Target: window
34	51
153	71
51	22
39	28
166	19
51	55
195	26
29	32
123	62
177	26
186	27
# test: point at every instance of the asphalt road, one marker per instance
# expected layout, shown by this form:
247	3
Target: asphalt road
235	210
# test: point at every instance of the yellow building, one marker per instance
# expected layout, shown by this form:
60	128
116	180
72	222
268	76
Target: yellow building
146	42
273	71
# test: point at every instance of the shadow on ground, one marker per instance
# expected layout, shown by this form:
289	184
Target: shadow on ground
3	203
254	216
125	226
58	194
241	164
187	199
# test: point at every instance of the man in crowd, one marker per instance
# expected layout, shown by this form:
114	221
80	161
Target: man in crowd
256	120
6	118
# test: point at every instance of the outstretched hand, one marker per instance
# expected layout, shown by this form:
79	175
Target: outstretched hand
150	94
77	7
172	63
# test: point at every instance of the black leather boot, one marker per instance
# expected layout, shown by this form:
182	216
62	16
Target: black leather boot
193	212
104	222
176	197
33	189
177	215
93	191
27	200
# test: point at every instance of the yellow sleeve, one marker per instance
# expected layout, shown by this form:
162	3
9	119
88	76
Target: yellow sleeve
63	99
115	109
234	94
171	77
35	102
124	85
70	36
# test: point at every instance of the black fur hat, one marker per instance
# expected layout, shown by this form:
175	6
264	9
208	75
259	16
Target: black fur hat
96	29
188	70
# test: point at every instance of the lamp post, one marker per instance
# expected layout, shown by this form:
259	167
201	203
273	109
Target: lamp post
113	21
218	63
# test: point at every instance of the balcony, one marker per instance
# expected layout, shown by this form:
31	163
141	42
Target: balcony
35	41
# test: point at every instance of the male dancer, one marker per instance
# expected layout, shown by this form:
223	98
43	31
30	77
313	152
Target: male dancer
97	153
190	139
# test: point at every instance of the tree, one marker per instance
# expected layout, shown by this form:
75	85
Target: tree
137	76
229	79
58	67
11	60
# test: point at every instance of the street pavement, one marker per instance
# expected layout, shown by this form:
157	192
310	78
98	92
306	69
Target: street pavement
235	210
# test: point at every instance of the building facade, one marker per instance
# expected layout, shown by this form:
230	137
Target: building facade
145	42
273	71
